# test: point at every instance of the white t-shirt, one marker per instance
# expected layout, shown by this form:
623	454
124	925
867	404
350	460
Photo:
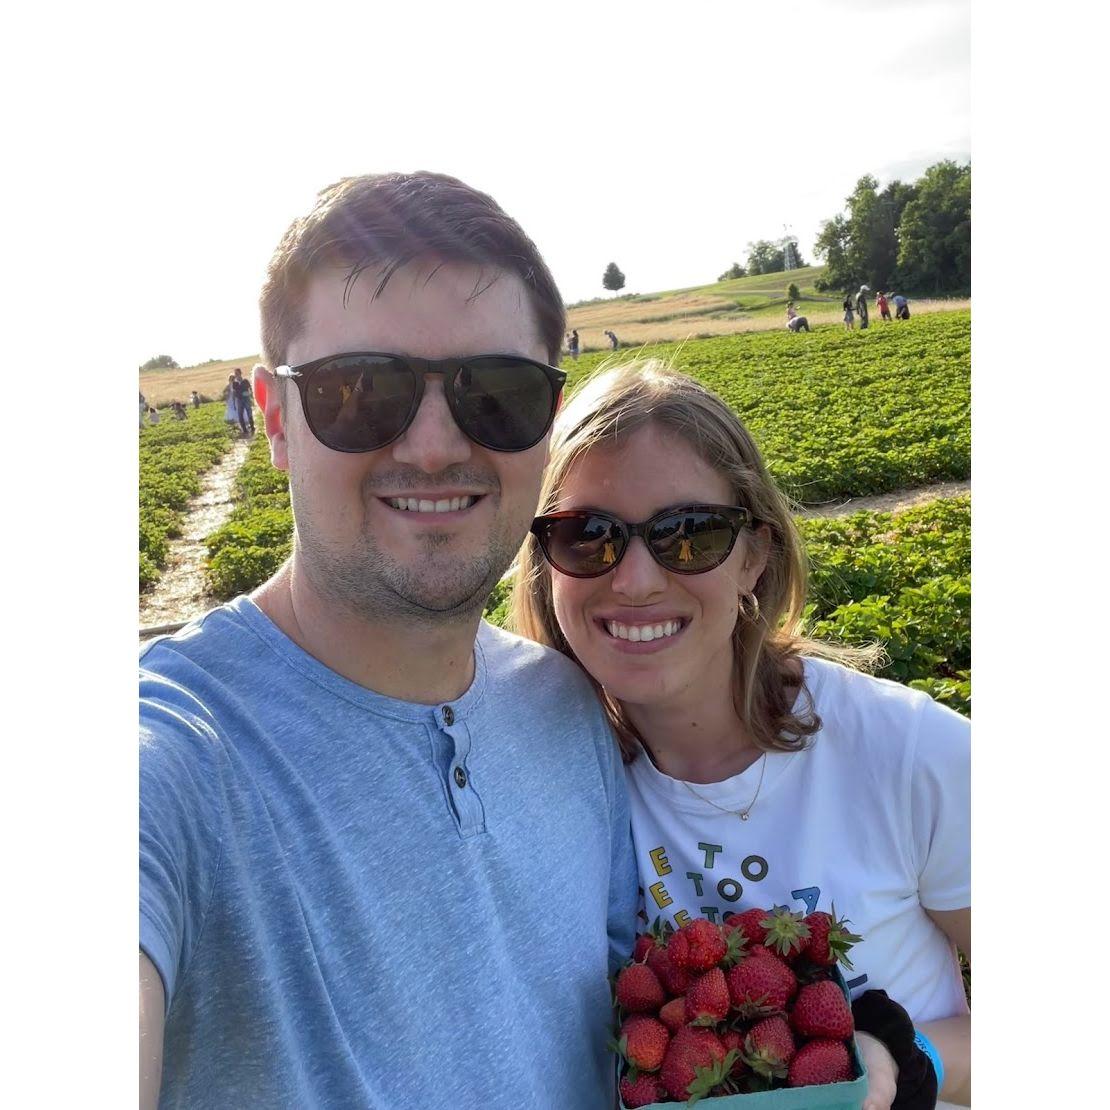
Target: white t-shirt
873	816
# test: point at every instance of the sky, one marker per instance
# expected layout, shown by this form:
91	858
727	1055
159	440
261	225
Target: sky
661	137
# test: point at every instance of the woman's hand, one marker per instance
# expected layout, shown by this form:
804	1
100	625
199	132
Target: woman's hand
882	1072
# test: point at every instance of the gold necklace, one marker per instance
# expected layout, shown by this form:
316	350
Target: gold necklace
741	813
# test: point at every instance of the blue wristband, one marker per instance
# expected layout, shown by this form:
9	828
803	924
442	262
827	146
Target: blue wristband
930	1050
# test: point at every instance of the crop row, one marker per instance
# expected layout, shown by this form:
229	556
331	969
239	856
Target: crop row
843	414
172	457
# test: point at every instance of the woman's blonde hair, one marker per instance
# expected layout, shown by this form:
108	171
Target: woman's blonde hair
616	402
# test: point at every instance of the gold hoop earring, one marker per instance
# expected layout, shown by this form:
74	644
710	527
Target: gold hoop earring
749	607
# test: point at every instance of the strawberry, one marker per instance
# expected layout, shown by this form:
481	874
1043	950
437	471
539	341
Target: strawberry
787	932
690	1051
673	1014
749	923
643	1042
734	1039
707	1000
821	1010
769	1047
761	985
829	939
697	946
676	980
646	1090
820	1061
639	990
645	942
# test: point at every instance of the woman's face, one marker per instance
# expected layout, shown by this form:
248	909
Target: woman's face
649	471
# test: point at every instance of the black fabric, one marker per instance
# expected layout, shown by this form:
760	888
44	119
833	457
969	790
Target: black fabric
875	1013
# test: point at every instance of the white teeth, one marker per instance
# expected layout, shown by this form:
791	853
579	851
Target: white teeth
635	633
444	505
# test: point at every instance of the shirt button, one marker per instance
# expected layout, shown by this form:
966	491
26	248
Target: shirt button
460	778
448	715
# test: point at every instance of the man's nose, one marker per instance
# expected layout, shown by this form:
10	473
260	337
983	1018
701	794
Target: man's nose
433	441
638	576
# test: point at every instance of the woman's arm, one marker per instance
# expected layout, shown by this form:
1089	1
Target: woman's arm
952	1035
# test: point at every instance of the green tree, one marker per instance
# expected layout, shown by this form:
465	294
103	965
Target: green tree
765	257
793	293
934	235
734	271
159	362
612	279
831	246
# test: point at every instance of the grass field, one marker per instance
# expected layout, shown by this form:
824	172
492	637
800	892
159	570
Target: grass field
720	308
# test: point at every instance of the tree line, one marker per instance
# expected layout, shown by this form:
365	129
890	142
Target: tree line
908	236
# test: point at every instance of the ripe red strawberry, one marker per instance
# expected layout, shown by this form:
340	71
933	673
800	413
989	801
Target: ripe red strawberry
707	1000
734	1039
820	1061
643	1041
829	939
646	1090
821	1010
645	942
761	985
675	980
690	1050
748	923
769	1047
673	1014
697	946
639	990
787	933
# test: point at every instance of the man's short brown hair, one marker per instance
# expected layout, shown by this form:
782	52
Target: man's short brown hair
384	221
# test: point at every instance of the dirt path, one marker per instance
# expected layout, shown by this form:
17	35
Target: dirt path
179	594
888	502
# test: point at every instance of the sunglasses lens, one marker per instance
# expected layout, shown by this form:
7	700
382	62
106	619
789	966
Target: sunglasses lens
503	403
359	403
692	541
585	545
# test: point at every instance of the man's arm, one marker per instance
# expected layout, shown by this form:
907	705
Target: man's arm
152	1009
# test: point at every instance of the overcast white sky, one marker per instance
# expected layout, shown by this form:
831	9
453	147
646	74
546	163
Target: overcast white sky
660	136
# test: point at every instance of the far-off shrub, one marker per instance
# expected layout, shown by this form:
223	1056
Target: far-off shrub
793	293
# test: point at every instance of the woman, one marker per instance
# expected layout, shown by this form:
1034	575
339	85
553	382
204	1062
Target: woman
231	412
762	770
849	317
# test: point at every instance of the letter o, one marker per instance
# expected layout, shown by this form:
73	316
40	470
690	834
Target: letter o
754	868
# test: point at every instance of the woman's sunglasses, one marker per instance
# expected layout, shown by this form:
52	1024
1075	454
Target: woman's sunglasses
364	401
688	539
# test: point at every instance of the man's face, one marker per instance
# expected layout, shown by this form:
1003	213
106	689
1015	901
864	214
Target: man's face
356	547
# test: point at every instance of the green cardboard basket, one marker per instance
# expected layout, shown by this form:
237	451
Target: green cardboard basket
827	1096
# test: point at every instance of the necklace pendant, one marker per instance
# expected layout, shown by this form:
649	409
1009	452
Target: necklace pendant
743	816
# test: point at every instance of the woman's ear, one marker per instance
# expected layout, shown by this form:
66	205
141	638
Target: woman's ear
757	550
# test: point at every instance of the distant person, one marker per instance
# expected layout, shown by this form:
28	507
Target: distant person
901	307
142	408
795	322
884	306
572	345
861	306
849	316
152	412
179	412
244	401
231	415
613	344
195	398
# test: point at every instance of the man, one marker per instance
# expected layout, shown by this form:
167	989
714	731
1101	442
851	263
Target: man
195	398
901	307
861	306
385	850
244	401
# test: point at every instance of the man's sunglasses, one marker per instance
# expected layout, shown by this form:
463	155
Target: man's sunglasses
366	400
688	539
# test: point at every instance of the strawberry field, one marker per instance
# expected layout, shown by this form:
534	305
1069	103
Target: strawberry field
172	456
837	414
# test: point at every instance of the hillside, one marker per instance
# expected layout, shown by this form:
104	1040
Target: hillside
721	308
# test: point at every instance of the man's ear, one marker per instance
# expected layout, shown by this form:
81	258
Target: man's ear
266	392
